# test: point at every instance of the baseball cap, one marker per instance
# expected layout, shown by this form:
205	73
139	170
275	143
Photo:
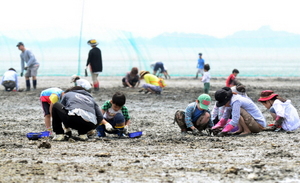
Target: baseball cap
20	43
204	101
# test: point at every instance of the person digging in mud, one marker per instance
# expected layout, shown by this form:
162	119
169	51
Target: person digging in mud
218	112
158	69
10	80
217	119
245	114
77	110
115	116
81	82
132	79
282	111
48	98
197	116
152	85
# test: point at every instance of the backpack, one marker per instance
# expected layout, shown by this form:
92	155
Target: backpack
179	118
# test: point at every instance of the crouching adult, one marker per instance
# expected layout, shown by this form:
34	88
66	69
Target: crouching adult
197	115
10	80
77	110
245	114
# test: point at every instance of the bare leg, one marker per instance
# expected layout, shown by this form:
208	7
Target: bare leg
273	115
48	121
202	121
246	130
250	122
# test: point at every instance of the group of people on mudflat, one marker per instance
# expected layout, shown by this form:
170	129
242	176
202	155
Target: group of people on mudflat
234	112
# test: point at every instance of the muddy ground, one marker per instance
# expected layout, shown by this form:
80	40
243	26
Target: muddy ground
161	154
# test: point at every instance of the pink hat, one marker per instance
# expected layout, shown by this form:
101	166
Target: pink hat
266	95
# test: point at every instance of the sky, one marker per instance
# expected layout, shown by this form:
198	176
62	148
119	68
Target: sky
45	20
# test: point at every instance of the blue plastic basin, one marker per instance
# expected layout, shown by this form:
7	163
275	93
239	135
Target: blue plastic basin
135	134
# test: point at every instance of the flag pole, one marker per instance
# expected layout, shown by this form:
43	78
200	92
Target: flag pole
80	36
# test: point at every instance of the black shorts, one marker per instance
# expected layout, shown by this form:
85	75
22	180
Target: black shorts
46	108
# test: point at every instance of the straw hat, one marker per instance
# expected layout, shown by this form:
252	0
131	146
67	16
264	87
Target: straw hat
142	73
92	42
266	95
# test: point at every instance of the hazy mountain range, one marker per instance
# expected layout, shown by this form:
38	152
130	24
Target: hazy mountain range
264	37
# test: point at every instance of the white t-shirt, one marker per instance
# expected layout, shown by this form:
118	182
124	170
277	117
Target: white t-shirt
206	77
110	113
289	113
83	83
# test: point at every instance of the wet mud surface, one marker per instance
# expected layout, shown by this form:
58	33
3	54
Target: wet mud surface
161	154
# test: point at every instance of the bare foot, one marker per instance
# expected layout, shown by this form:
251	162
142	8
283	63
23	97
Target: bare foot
236	132
244	134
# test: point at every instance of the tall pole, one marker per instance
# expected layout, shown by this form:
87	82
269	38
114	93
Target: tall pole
80	35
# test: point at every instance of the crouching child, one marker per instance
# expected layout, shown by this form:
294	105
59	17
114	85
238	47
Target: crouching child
115	116
196	116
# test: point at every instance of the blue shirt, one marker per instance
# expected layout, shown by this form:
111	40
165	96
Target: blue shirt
196	114
200	64
192	113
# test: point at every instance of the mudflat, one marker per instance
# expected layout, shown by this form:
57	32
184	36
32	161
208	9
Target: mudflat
161	154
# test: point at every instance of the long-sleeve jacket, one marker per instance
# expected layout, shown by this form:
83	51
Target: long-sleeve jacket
82	100
289	113
28	58
237	102
95	60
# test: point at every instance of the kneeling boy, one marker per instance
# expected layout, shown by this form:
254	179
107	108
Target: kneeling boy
115	116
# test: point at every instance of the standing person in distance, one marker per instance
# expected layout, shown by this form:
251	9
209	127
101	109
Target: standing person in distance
206	78
200	65
31	68
95	62
231	79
